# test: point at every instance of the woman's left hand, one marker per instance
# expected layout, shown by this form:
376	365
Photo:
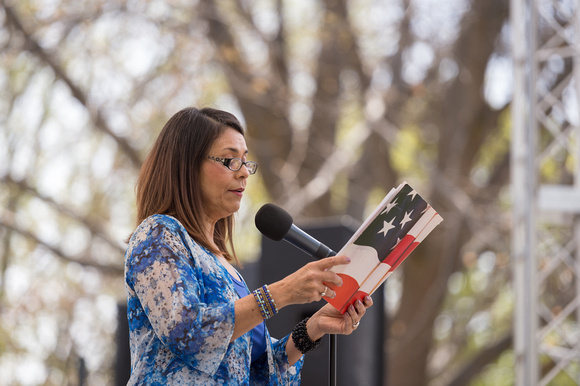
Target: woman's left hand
328	320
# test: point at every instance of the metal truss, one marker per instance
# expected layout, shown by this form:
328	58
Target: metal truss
546	191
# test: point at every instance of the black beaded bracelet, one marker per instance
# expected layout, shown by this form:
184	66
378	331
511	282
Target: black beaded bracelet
301	339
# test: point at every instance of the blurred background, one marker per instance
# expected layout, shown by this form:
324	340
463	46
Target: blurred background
342	100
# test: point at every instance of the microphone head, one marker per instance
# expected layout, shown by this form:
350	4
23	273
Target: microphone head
273	221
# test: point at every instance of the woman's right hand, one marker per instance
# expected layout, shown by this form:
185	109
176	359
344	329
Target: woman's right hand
308	284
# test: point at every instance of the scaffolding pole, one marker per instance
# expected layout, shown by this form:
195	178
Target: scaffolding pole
545	167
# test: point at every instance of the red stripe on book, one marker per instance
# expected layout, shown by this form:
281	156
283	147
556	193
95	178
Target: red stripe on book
348	288
359	295
404	256
393	257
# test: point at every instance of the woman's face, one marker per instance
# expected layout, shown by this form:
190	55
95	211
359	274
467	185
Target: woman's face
221	188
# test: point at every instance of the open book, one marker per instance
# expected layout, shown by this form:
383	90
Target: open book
391	232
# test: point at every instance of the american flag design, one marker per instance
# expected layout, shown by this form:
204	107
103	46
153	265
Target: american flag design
384	240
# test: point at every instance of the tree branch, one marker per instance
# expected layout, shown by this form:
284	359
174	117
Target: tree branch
482	359
340	159
95	228
107	269
263	102
96	116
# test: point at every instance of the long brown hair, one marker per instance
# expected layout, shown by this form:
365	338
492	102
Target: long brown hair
169	180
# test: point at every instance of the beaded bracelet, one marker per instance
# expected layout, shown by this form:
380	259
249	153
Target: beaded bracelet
265	302
301	339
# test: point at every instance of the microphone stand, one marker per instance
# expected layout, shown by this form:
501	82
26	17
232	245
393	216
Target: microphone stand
308	245
332	347
322	251
332	367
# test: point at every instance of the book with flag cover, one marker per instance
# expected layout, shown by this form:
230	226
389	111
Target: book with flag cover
389	234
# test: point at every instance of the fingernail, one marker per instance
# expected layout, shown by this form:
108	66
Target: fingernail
358	303
351	307
348	259
368	298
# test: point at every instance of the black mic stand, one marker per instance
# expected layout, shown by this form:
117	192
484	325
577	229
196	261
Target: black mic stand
322	252
332	368
332	347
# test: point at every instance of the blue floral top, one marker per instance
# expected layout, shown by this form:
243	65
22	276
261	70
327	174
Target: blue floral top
181	316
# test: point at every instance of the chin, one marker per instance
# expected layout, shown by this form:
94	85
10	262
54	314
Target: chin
231	210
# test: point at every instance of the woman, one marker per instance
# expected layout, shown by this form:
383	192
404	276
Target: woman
192	319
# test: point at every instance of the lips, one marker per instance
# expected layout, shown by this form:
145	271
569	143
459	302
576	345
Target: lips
239	191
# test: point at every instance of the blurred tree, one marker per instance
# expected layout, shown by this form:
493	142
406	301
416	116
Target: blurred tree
342	101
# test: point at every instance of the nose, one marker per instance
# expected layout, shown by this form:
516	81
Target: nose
243	172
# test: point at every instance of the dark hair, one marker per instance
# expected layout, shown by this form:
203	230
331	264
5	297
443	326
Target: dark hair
169	180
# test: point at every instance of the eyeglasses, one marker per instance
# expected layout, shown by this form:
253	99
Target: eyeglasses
235	164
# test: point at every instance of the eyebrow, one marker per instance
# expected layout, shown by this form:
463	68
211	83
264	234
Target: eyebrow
235	150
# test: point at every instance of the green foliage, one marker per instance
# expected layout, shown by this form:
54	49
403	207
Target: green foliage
500	373
407	153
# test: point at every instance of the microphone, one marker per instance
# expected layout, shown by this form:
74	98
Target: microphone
277	224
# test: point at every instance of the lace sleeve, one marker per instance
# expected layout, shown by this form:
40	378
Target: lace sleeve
183	302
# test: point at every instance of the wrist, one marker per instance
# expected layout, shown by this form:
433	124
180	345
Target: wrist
313	328
279	294
302	341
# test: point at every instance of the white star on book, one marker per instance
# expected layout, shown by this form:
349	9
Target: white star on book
389	206
406	219
387	226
